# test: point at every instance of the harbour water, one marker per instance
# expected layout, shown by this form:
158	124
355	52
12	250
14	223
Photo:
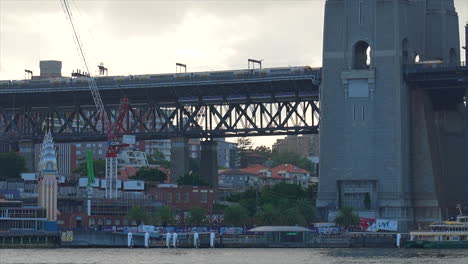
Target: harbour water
232	256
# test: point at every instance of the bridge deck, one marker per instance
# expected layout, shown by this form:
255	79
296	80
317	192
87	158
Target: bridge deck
160	88
269	102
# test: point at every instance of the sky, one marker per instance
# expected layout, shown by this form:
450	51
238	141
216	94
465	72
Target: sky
150	36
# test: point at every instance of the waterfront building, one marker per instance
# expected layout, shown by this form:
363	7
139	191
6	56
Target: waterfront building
182	198
16	217
237	179
304	145
227	154
48	178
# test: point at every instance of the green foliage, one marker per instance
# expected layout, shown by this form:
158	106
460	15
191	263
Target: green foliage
158	158
291	216
269	215
197	217
244	146
367	201
194	165
150	174
235	215
11	164
244	143
281	204
347	217
291	158
191	179
164	216
99	167
264	151
307	209
137	214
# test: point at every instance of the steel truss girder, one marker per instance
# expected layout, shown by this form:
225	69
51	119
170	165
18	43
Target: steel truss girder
153	120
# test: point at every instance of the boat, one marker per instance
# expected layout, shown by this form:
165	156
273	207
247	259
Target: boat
442	234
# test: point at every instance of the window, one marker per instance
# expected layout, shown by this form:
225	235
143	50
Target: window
117	221
362	56
100	221
177	197
108	222
203	197
78	152
78	145
125	221
358	88
92	221
186	197
88	145
169	197
100	152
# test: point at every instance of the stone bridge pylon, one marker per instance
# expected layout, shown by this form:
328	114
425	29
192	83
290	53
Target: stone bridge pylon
387	149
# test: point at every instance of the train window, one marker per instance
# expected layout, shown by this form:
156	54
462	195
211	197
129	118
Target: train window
279	70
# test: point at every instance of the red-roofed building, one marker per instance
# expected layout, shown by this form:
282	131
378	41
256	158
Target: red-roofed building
265	175
290	173
258	175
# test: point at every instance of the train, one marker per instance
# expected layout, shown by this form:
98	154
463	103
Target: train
161	78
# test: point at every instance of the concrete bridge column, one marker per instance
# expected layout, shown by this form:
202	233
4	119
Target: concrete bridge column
179	158
466	144
209	162
26	149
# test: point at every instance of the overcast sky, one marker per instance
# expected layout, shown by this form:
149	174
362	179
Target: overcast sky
150	36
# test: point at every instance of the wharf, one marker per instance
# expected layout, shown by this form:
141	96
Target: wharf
34	239
185	240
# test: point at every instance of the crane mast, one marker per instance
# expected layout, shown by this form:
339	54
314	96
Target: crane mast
91	82
113	131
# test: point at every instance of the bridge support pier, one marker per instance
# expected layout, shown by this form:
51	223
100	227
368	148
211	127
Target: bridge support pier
179	158
466	142
209	162
26	149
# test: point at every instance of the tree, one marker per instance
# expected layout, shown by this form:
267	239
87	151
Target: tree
164	216
291	158
244	143
194	165
367	201
150	174
264	151
291	216
158	158
268	216
11	164
98	165
307	209
191	179
137	214
244	146
347	217
196	216
235	215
